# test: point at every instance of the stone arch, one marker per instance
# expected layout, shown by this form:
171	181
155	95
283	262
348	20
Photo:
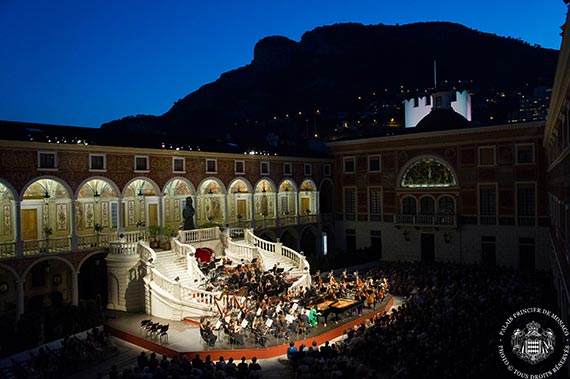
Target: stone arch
11	270
427	171
265	205
85	258
138	186
308	184
287	185
173	185
309	240
49	188
268	235
141	197
326	196
97	185
8	189
259	185
46	209
290	238
174	198
204	186
235	185
211	201
96	201
92	277
47	258
8	196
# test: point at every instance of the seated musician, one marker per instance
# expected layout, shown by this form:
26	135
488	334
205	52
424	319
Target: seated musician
235	333
207	333
260	331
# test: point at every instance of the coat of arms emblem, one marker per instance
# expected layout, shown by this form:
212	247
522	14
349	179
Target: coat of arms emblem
533	344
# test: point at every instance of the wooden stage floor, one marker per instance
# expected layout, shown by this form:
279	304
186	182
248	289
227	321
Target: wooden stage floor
184	337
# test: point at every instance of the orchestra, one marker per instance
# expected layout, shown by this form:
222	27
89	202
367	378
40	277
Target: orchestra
270	307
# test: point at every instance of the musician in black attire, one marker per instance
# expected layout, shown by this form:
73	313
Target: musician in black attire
207	333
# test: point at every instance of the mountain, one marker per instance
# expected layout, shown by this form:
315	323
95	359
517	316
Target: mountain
347	73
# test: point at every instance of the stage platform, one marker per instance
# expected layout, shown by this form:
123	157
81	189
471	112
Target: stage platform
184	338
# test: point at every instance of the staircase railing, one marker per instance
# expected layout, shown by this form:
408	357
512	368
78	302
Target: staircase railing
197	235
187	252
180	295
277	248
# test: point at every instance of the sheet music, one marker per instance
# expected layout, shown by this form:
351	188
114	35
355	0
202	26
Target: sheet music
218	324
258	312
269	322
295	306
289	318
244	323
278	308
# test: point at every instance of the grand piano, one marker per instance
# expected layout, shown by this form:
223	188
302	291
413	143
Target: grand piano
336	307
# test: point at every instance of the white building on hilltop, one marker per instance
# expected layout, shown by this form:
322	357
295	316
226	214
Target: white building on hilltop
418	107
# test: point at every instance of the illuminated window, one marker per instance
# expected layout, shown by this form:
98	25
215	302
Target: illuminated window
428	173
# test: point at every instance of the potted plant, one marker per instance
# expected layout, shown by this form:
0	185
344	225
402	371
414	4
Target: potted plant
154	231
167	232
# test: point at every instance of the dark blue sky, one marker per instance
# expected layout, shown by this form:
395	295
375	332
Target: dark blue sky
83	63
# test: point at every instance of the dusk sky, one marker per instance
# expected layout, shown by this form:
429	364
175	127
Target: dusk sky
84	63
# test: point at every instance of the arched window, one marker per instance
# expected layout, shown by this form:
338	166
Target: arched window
427	206
428	173
446	205
409	205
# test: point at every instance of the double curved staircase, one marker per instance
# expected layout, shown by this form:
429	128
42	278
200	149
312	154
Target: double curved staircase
174	282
